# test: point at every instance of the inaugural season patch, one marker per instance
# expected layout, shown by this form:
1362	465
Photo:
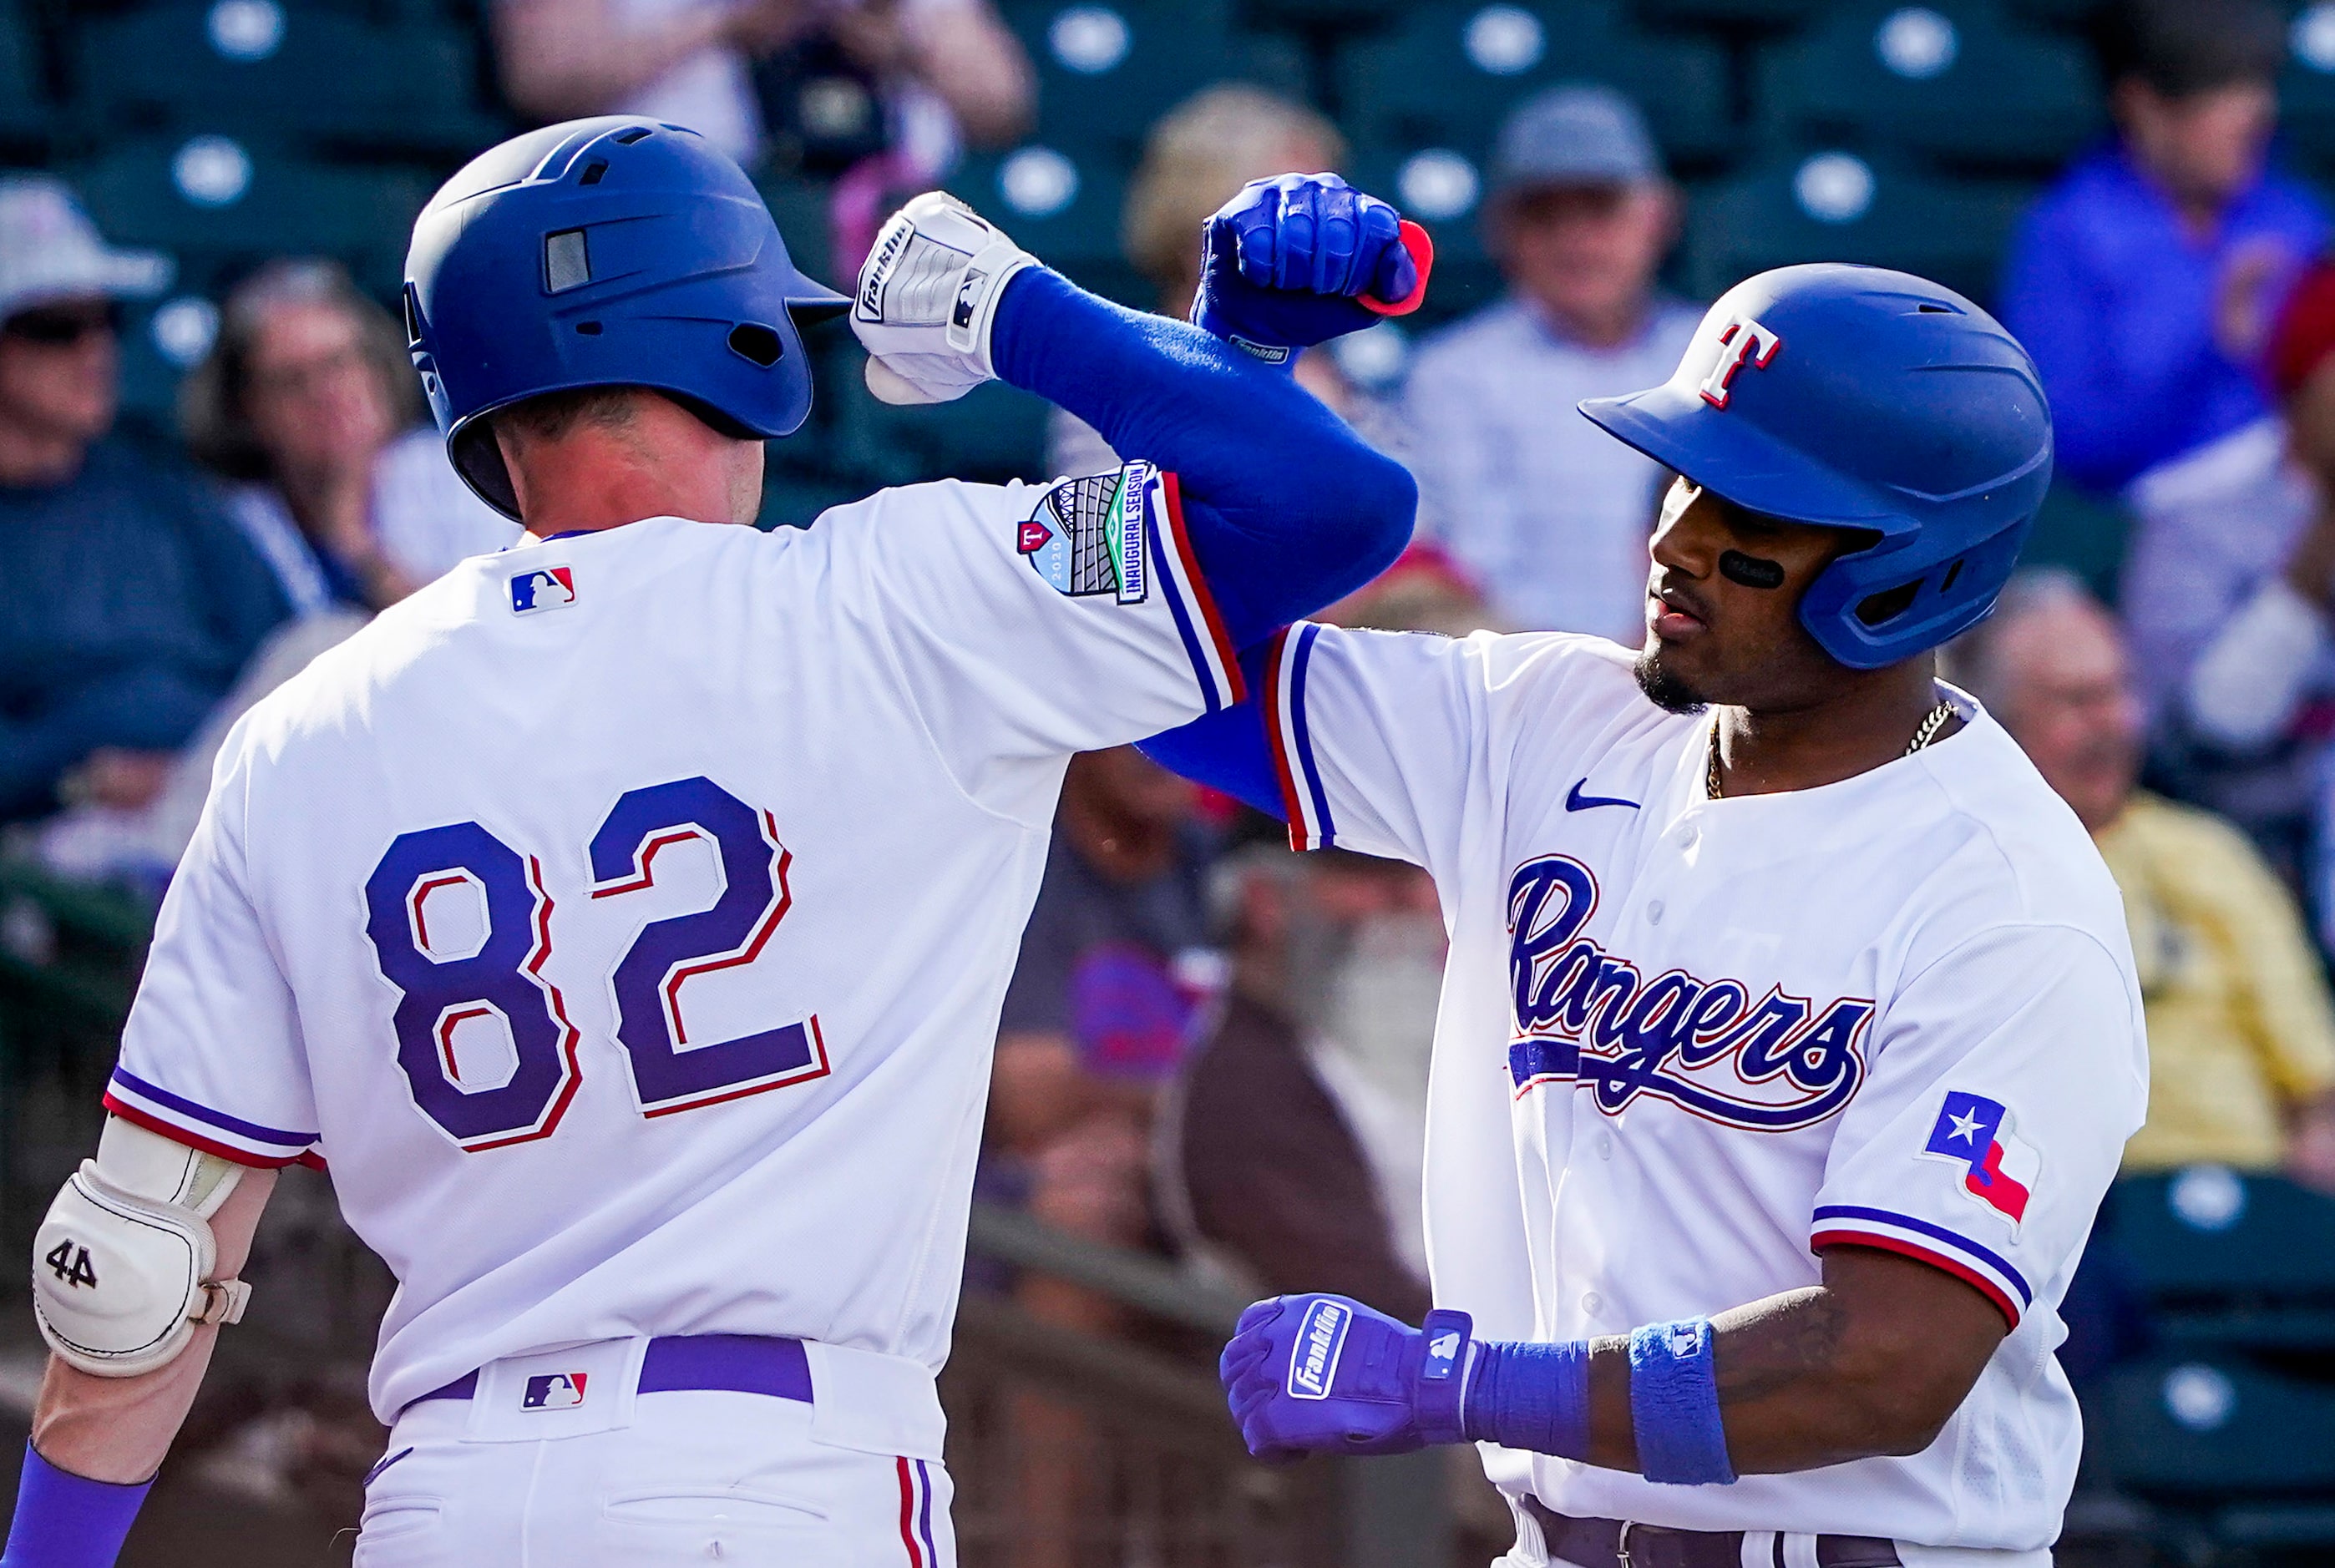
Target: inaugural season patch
1089	535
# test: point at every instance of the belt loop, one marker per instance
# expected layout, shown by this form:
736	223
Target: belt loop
1798	1551
1763	1549
1621	1544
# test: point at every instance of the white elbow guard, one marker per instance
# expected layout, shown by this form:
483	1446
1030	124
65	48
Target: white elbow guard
122	1266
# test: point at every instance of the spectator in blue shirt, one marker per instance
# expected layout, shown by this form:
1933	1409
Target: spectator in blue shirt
128	600
2144	282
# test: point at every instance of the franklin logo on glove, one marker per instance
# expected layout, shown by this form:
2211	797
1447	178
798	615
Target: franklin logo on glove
1313	1361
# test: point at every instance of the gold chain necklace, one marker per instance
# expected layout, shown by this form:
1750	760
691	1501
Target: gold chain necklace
1927	733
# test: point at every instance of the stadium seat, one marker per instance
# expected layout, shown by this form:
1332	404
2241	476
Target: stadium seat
1835	206
1954	79
994	433
1063	208
1448	74
222	206
295	73
1107	68
1731	13
2307	91
2228	1258
2082	533
161	341
2236	1458
1347	16
25	115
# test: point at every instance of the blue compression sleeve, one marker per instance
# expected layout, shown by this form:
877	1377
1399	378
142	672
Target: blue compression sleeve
1286	508
1529	1396
68	1521
1227	749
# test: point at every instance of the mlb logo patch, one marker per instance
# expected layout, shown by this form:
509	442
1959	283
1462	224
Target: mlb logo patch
1442	1356
1313	1360
1999	1168
546	588
553	1391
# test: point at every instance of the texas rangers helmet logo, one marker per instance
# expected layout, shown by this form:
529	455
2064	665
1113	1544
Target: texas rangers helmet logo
547	589
1744	341
553	1391
1999	1169
1590	1018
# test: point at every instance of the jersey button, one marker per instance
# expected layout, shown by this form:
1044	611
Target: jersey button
1592	1303
1604	1146
1654	913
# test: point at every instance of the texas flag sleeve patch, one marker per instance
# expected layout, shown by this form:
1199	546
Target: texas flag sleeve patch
1999	1168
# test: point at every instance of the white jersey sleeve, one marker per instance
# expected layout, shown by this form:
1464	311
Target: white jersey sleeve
2006	1076
1031	622
1400	743
212	1054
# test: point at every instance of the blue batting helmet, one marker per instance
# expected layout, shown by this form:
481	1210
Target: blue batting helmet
1851	397
608	251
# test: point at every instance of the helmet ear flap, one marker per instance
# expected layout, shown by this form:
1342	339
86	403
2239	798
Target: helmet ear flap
1878	606
478	458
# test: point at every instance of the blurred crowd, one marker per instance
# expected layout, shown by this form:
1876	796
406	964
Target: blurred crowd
1214	1048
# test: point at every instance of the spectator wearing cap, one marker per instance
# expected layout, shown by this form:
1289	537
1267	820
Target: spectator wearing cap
1530	497
2144	282
308	407
2240	1031
2229	600
128	598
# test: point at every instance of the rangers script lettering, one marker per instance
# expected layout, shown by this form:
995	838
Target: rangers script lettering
1583	1013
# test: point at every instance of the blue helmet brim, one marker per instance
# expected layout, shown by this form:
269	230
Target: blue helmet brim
1739	461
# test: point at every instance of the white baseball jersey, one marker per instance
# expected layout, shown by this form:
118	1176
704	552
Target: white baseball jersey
1685	1043
624	918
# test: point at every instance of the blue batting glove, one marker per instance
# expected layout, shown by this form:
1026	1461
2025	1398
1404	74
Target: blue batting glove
1302	259
1309	1374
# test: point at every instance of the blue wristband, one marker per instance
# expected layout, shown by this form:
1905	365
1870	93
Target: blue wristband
1530	1396
68	1521
1674	1404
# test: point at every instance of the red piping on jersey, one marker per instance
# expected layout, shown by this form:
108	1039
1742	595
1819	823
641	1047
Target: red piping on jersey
1182	545
193	1139
1921	1254
908	1517
1284	770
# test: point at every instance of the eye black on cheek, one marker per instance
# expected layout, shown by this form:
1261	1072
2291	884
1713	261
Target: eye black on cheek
1750	571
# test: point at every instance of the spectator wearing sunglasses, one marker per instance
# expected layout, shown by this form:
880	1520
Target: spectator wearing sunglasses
128	599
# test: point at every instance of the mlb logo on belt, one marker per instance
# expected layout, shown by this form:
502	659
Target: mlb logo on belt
1999	1169
1313	1360
547	589
553	1391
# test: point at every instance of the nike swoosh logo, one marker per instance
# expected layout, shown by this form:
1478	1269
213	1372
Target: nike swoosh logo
1577	801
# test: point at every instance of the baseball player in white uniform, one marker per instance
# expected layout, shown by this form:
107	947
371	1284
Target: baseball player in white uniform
1790	1034
623	919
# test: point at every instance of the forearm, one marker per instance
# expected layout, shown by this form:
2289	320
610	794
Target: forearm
1785	1398
1287	510
1873	1362
117	1429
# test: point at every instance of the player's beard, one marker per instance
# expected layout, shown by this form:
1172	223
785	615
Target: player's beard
1663	685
